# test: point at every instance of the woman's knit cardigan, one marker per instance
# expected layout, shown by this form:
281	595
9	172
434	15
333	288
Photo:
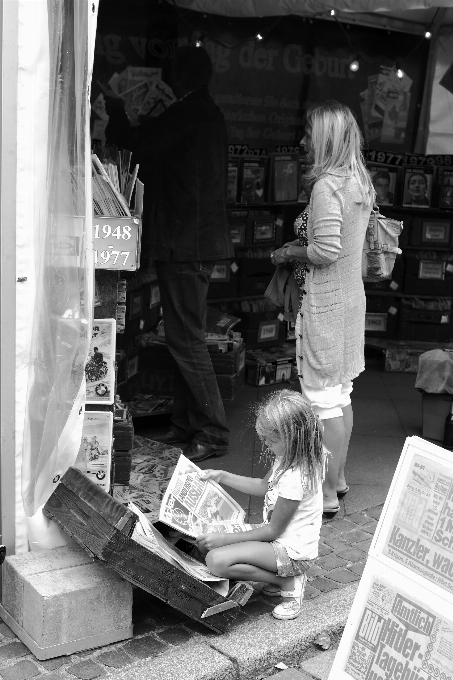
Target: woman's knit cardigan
334	305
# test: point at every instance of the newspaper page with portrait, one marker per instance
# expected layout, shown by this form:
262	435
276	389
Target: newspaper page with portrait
393	634
420	533
194	506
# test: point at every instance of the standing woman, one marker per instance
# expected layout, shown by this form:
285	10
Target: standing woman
330	327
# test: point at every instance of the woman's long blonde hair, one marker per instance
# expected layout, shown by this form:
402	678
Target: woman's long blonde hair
337	147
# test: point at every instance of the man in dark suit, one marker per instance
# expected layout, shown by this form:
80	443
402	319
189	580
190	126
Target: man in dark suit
183	159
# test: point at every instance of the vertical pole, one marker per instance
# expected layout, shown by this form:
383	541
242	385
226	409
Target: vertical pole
423	121
8	190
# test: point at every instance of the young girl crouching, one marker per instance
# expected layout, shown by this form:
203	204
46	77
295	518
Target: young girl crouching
279	551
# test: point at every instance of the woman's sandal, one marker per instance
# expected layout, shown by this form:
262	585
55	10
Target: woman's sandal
343	492
291	608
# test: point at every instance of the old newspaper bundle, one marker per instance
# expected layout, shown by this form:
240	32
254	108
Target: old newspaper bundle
194	506
191	506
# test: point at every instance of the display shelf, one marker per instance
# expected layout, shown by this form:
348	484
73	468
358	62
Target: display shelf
389	293
385	343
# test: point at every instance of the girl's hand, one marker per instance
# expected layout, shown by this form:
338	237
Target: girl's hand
207	542
215	475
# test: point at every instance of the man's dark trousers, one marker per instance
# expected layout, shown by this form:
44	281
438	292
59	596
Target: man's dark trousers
198	413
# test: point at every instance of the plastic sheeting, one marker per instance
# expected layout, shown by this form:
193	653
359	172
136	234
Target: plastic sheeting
435	372
253	8
61	260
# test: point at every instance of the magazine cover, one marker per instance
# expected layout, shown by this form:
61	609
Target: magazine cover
253	181
100	367
95	454
418	184
284	177
302	193
446	189
384	178
233	176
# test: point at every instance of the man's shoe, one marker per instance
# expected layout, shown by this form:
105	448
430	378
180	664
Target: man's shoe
168	438
197	452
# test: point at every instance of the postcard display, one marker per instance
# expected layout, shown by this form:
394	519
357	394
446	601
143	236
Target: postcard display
401	623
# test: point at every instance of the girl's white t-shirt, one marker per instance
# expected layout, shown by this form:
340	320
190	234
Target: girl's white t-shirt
301	536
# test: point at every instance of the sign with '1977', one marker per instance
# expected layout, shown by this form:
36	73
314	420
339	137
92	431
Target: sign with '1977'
116	242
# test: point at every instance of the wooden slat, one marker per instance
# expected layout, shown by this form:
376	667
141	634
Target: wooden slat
96	498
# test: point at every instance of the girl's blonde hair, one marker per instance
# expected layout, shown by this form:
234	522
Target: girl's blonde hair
337	146
287	416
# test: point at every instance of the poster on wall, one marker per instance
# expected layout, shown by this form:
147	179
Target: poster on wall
100	367
95	454
395	631
265	87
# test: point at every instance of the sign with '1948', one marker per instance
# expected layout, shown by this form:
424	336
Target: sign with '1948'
116	242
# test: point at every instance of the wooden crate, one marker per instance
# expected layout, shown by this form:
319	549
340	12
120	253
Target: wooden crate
103	526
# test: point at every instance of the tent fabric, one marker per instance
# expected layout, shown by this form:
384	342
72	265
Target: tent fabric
59	204
260	8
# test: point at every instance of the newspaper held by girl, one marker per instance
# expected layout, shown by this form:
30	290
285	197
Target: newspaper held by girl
279	551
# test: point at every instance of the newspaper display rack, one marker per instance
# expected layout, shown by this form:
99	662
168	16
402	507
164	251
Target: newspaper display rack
401	623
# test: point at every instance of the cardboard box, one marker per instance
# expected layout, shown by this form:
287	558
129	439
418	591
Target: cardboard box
224	280
425	325
106	530
254	275
267	367
435	409
268	334
428	277
403	358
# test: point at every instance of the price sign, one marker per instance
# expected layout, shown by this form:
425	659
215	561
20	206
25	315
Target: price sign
268	330
418	159
246	150
439	159
385	157
116	242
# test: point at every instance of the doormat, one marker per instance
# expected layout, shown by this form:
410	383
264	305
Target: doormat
152	467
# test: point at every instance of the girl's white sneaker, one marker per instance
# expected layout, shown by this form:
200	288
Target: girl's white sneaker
291	606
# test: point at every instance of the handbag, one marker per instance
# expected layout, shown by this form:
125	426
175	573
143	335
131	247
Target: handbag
380	247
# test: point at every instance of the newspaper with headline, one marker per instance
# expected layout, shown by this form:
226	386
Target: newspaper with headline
194	506
421	532
397	638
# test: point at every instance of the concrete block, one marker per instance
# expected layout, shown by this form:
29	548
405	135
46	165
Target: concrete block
61	601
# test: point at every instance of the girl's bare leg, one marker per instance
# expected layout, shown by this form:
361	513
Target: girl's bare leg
248	561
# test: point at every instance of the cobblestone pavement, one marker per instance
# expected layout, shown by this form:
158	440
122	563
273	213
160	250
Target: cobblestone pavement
159	629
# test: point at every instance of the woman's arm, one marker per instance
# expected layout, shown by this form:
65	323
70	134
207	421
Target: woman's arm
254	486
281	516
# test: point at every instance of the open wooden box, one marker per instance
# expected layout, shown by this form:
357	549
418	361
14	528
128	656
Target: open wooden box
104	527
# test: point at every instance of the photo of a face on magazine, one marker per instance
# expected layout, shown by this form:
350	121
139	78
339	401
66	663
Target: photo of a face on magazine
384	182
417	188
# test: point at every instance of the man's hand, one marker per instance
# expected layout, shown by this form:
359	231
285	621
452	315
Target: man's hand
207	542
